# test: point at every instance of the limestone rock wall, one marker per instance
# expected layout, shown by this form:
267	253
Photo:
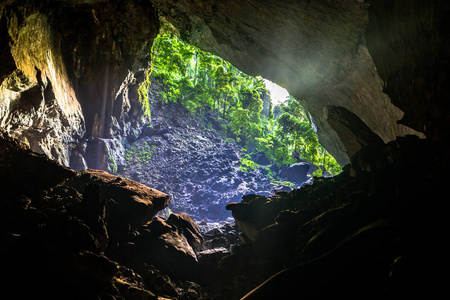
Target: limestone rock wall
38	103
70	73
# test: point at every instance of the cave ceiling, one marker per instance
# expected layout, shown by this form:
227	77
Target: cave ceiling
367	57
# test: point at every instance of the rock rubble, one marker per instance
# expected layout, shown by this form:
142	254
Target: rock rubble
185	156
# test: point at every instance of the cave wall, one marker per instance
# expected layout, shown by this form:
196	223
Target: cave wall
70	73
38	104
70	69
410	45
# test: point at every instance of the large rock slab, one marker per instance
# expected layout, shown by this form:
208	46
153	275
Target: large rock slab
127	201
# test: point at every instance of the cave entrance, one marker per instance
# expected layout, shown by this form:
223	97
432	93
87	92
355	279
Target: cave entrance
217	134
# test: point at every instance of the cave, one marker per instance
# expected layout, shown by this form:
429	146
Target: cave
373	76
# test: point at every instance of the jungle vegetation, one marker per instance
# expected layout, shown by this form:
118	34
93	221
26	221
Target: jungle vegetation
201	81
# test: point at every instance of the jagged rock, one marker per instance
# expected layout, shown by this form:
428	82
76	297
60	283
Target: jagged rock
172	254
358	210
130	291
158	282
223	237
213	233
158	227
218	242
79	53
38	103
58	69
132	285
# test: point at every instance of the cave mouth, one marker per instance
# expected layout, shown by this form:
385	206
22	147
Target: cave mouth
216	134
369	231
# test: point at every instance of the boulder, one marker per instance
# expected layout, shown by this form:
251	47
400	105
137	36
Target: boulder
165	247
129	199
65	232
218	242
157	227
127	202
296	173
97	268
173	255
189	228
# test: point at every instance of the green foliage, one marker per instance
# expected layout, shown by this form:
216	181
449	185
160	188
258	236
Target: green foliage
201	81
247	164
317	173
143	96
296	129
112	165
139	153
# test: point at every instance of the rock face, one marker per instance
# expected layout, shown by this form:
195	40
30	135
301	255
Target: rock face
38	101
70	72
94	235
126	202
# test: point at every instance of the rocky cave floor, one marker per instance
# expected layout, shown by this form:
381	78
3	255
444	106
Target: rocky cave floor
186	156
367	233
